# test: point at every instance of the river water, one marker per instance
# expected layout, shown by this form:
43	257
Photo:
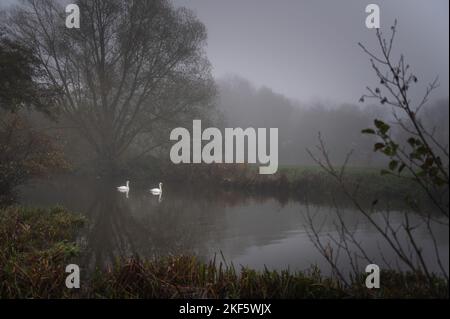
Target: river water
242	229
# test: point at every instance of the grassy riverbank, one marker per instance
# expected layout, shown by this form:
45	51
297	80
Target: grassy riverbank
304	183
288	178
36	245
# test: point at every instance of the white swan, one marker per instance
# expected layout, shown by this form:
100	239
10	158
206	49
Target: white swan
157	191
124	189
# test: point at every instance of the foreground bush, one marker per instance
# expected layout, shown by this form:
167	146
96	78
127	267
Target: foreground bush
186	277
35	247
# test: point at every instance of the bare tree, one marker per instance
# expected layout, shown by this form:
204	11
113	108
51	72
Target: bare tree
131	66
425	157
422	159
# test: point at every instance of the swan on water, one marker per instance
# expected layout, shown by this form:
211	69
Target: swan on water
124	188
157	191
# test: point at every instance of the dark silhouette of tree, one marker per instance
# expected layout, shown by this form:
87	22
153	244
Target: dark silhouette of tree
131	67
19	85
24	152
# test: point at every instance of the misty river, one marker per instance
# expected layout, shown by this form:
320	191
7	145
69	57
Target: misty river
241	229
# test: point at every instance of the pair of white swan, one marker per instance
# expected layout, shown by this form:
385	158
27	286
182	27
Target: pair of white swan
126	189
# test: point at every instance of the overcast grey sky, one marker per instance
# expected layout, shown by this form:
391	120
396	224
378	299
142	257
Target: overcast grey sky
308	50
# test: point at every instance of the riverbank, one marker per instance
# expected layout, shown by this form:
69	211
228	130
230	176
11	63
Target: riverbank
36	245
300	183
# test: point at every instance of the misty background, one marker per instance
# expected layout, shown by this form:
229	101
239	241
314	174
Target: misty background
307	50
296	65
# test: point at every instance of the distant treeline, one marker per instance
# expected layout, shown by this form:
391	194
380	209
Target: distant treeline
243	105
240	104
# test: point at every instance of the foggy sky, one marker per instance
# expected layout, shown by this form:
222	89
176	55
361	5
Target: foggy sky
307	50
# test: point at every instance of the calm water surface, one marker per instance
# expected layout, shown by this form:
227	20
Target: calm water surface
247	230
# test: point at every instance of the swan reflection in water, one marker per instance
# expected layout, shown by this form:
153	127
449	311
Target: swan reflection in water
125	192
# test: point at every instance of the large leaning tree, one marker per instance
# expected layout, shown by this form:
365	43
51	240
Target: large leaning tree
130	70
